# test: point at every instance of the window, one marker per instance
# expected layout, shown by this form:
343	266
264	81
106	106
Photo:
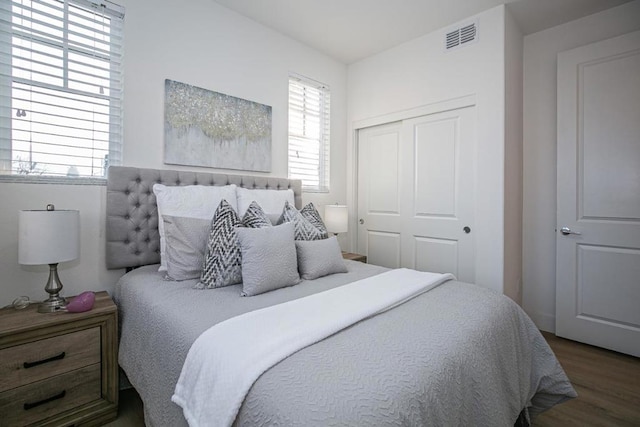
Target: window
309	133
60	88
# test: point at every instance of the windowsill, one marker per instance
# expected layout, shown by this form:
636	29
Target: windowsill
313	190
26	179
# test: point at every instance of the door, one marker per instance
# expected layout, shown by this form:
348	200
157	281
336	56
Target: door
598	217
379	194
415	193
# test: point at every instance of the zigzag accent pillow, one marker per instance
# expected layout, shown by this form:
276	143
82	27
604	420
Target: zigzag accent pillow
313	216
303	229
222	260
255	217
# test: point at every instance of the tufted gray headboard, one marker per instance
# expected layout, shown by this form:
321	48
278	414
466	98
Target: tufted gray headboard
132	215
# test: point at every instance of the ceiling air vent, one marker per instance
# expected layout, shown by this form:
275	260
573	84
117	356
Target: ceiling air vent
461	36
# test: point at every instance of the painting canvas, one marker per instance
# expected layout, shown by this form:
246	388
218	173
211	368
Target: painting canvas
206	128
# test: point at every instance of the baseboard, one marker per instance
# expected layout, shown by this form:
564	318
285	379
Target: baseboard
544	322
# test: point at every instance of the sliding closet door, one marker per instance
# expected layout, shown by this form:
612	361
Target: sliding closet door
415	193
379	194
438	193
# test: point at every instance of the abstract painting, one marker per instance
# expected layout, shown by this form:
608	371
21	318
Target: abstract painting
206	128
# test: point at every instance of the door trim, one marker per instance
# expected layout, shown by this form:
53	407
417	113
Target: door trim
424	110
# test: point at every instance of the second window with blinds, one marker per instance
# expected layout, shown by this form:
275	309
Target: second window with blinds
309	106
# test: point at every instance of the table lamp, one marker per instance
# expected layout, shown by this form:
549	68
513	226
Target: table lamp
49	237
336	218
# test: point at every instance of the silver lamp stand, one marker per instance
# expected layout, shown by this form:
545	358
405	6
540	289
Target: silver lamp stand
55	302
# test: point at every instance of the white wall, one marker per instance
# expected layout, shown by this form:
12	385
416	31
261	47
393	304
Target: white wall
420	72
200	43
513	160
539	219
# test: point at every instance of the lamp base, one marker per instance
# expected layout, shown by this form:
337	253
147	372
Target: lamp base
55	302
52	304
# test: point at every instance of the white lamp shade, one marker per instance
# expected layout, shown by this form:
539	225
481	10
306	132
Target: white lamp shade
48	237
336	218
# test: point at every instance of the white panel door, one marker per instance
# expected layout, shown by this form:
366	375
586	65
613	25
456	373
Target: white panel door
415	193
438	196
598	223
379	185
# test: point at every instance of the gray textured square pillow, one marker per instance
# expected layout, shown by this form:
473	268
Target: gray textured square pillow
269	258
317	258
186	244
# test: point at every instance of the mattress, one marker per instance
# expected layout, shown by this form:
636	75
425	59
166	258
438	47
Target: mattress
457	355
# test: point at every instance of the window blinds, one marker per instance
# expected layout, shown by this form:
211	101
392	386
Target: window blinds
309	105
60	87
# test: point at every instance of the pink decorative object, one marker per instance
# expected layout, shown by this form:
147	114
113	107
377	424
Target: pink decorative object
81	303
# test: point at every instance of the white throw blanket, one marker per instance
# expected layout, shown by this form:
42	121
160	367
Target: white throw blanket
225	361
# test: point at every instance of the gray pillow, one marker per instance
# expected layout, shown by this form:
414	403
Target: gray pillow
255	217
222	258
304	229
313	216
186	244
317	258
268	258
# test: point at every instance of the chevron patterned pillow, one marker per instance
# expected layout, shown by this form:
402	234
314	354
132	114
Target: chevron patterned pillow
222	261
313	216
304	229
255	217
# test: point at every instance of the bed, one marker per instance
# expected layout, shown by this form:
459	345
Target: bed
455	355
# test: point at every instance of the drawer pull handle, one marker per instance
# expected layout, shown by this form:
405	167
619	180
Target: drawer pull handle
28	365
60	395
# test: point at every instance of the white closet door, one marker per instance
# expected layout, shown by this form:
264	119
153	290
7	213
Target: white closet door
598	252
415	193
379	192
438	197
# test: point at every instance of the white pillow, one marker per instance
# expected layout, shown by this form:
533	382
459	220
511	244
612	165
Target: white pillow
192	201
271	201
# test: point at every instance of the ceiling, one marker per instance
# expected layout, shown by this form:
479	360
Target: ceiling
350	30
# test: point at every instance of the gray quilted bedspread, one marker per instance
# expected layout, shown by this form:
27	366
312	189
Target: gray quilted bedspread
459	355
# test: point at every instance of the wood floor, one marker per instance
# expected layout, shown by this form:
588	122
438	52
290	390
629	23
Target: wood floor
608	386
129	410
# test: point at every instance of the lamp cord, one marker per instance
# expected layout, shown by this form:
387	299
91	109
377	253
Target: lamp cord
20	303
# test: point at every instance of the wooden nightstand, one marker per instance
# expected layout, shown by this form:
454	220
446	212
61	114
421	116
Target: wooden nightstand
354	257
59	368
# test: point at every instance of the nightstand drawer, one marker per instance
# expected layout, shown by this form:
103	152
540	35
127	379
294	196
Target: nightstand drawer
34	361
34	402
71	373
